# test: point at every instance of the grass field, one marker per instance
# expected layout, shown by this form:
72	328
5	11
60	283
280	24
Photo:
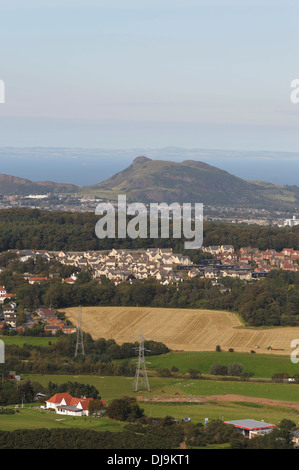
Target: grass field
30	418
224	411
260	365
183	329
114	387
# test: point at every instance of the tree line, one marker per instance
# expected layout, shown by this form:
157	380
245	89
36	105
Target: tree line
50	230
59	357
148	433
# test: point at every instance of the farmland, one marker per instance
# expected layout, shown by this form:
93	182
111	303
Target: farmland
215	399
114	387
183	329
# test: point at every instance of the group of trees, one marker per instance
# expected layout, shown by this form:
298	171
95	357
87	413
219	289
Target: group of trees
152	437
13	393
40	229
59	357
234	370
124	409
76	389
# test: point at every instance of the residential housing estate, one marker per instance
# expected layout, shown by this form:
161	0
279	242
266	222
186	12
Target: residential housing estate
119	265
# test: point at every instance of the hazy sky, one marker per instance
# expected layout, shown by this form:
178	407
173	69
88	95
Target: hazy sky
213	74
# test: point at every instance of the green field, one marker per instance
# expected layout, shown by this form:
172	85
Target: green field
224	411
114	387
30	418
261	365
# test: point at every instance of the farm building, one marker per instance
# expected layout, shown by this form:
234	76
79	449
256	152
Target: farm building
250	427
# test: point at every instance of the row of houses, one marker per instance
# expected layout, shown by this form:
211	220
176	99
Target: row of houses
53	324
120	265
117	265
249	262
287	259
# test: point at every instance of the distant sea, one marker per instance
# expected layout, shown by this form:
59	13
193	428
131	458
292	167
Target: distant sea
90	166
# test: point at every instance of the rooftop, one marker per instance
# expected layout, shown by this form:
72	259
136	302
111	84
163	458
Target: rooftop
250	424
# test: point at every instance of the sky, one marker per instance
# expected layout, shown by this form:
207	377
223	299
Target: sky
114	74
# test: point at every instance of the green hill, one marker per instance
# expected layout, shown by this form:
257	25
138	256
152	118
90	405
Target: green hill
12	185
147	180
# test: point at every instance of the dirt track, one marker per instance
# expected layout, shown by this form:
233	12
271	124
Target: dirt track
222	398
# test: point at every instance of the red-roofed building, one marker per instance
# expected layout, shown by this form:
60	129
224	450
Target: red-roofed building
58	399
70	280
69	329
64	403
33	280
4	295
251	428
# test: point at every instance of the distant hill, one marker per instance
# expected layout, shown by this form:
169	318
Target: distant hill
147	180
12	185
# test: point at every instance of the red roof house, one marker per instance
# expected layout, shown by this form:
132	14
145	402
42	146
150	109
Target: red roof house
64	403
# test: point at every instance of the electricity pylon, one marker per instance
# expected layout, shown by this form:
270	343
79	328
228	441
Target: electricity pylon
79	343
141	379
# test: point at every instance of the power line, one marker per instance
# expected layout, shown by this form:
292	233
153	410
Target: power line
79	343
141	379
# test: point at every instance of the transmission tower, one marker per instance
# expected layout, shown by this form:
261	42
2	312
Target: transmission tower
79	343
141	380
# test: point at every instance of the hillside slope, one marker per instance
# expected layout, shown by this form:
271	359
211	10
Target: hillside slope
147	180
13	185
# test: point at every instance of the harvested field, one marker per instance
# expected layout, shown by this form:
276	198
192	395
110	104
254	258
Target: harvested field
183	329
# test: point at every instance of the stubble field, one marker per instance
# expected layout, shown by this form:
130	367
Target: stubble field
183	329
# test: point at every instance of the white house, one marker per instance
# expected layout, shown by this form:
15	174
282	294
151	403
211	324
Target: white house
65	404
